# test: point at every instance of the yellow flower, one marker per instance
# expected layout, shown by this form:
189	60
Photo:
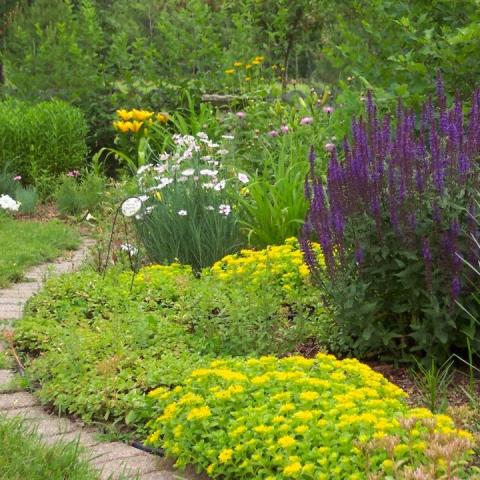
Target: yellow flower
210	469
304	415
162	117
124	114
136	125
237	64
286	441
199	413
301	429
169	411
153	438
157	392
287	407
225	455
387	465
292	469
230	71
247	79
263	429
124	127
309	396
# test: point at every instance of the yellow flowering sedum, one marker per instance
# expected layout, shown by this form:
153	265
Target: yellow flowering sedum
297	418
282	265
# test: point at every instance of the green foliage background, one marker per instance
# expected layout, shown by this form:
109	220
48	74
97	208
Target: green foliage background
103	55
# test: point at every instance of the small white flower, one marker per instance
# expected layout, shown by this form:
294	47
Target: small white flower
188	172
222	152
214	163
183	179
164	156
143	198
206	158
219	186
224	209
160	168
143	169
164	181
210	208
210	173
89	217
228	137
182	213
208	185
243	177
129	248
202	135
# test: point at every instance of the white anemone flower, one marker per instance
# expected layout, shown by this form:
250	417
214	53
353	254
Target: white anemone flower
129	248
243	177
182	213
220	185
210	173
224	209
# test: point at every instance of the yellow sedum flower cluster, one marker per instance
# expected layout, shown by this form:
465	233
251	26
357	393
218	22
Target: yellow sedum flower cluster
282	265
131	121
268	418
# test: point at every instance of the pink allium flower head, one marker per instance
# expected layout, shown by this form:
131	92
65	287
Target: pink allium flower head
306	121
241	115
329	147
273	133
284	129
17	178
73	173
328	109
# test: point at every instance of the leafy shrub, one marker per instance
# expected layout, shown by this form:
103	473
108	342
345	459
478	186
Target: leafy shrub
78	193
392	219
28	198
47	137
188	215
301	418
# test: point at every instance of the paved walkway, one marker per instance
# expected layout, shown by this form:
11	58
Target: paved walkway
111	459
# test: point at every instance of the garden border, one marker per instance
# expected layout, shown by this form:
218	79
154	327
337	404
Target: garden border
111	459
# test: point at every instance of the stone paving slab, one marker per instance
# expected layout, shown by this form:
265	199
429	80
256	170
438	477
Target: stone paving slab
106	452
131	467
11	401
82	436
6	376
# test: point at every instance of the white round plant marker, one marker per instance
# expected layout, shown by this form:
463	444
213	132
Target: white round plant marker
131	206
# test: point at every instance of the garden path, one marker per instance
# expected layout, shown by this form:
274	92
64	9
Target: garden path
111	459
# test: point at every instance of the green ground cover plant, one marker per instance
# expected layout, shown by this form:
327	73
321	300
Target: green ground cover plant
303	418
22	456
171	322
28	243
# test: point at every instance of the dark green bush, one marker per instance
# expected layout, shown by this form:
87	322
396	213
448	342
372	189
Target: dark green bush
41	139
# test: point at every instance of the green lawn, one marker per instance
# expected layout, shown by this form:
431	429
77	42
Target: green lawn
24	457
28	243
